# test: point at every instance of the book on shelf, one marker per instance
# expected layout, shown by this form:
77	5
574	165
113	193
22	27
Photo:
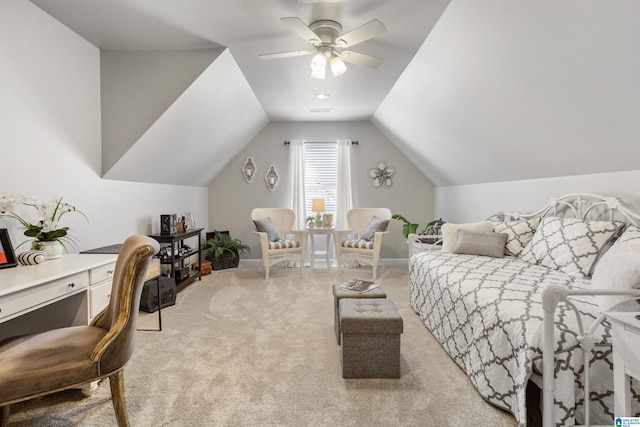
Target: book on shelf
360	286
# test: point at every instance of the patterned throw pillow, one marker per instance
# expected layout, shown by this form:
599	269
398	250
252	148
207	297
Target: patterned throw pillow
570	245
519	234
450	232
376	224
485	244
265	225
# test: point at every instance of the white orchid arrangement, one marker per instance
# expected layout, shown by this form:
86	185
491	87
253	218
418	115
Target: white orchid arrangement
48	214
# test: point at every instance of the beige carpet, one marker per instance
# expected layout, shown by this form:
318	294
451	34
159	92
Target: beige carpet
237	350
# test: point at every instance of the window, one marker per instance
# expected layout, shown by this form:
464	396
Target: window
321	175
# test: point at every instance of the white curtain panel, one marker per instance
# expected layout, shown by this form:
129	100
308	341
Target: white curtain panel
296	166
344	196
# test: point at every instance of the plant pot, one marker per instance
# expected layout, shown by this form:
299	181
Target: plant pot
53	249
225	261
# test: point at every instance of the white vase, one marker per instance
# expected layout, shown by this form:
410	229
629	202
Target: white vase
53	249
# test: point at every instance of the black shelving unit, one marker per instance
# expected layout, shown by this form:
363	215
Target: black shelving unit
176	241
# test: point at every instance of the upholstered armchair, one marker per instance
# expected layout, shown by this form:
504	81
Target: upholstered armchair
362	241
279	240
39	364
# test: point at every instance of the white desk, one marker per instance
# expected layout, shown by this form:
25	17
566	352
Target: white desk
64	292
625	334
320	231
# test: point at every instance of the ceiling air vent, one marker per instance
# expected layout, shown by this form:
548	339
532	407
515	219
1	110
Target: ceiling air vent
320	110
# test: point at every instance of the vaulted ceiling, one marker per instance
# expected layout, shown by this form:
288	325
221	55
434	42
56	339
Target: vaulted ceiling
470	91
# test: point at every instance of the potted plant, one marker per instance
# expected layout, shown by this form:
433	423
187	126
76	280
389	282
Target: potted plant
47	234
432	228
223	251
408	227
311	221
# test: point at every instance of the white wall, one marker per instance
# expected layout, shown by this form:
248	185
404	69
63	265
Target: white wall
50	134
468	203
231	199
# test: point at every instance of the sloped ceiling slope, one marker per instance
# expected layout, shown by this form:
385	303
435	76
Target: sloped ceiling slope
504	90
206	126
137	87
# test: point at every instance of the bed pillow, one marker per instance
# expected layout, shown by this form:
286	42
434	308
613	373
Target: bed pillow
485	244
519	234
376	224
265	225
570	245
618	269
450	232
630	235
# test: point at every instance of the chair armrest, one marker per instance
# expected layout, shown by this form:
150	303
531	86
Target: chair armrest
264	241
377	238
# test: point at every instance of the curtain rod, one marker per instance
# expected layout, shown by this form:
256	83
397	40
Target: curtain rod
320	142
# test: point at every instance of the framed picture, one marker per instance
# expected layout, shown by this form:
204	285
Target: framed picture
7	256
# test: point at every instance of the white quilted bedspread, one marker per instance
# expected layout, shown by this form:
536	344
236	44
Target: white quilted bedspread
487	315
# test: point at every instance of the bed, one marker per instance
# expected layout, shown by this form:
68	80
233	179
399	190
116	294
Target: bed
487	314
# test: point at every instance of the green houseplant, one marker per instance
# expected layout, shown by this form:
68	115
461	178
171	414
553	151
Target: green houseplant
223	251
432	228
408	227
46	231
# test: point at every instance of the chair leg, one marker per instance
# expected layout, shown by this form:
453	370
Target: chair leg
266	274
4	415
116	382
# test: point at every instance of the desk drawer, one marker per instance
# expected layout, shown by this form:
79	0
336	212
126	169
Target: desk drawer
99	297
104	272
43	294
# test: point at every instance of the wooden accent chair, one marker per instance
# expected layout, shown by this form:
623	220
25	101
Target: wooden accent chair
366	246
39	364
273	225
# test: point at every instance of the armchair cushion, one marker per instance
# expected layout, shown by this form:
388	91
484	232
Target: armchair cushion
284	244
376	224
358	244
265	225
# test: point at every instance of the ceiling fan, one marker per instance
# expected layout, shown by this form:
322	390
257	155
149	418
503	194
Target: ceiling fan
327	38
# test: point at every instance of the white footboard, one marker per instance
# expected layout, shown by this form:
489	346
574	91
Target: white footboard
551	297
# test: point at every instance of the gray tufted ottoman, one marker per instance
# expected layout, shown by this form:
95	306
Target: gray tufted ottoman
339	293
371	331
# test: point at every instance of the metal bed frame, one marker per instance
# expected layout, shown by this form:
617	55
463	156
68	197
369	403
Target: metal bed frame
582	206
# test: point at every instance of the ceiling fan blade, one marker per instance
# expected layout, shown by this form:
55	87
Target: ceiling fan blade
302	29
279	55
364	32
361	59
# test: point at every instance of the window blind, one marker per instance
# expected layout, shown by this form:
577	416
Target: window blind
321	175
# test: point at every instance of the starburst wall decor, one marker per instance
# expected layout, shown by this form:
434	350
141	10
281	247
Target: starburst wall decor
381	175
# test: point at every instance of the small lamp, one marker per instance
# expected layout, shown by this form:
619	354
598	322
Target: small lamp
317	206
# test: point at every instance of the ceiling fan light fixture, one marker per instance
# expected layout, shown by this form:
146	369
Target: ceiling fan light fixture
318	66
338	66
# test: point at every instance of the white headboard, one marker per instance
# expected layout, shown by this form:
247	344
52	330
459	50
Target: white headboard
583	206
